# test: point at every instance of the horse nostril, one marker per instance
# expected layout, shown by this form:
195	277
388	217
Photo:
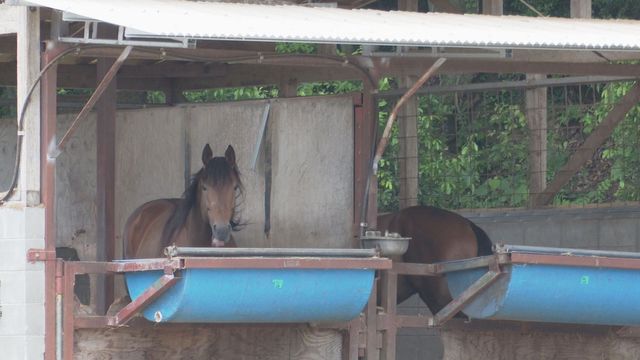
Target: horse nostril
214	226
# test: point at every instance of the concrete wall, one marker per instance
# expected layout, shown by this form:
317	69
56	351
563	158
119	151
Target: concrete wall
21	284
312	193
312	155
605	228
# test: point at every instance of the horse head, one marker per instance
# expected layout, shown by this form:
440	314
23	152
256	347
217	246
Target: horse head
218	188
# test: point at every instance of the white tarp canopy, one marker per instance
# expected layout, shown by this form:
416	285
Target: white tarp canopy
292	23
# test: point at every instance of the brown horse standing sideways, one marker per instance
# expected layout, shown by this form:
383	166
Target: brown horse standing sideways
204	216
436	235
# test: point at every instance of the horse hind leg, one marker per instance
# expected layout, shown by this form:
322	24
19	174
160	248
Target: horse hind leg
433	292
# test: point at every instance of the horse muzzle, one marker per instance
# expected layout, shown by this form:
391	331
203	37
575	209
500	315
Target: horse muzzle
220	235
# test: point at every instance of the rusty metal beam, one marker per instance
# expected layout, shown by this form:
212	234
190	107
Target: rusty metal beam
105	182
585	152
164	283
469	294
197	76
102	87
48	129
389	285
278	263
415	269
566	260
387	130
445	6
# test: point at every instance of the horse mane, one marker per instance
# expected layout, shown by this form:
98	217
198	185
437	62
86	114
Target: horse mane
219	172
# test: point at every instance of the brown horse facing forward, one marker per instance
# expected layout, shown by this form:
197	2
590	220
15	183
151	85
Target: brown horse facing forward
204	216
436	235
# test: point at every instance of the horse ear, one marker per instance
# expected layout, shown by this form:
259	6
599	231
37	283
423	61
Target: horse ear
230	155
207	154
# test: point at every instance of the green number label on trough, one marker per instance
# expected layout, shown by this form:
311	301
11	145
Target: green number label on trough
277	283
584	280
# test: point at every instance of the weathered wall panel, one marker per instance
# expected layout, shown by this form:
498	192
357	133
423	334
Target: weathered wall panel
149	160
236	124
312	191
76	188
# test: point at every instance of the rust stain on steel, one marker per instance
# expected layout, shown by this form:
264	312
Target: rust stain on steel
279	263
104	84
158	288
469	294
573	260
34	255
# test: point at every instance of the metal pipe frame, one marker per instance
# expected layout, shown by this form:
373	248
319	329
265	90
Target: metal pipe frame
388	322
172	267
84	112
175	251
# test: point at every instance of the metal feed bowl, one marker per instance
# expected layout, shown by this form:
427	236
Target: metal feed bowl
389	244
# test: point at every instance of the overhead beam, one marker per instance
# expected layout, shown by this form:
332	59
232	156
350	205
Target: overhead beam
445	6
506	85
398	66
585	152
200	76
105	182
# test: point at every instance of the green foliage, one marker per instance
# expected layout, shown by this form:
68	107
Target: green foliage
296	48
473	148
329	87
155	97
231	94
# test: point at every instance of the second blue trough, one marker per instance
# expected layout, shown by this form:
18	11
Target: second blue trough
558	293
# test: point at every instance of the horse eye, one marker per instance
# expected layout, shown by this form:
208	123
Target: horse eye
204	188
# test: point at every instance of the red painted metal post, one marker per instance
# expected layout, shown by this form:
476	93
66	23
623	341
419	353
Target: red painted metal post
68	300
48	131
389	282
371	351
360	164
105	184
369	104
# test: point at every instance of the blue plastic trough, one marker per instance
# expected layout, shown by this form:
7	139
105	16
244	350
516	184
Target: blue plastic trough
557	285
261	289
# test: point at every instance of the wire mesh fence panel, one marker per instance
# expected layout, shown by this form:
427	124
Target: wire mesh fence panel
475	148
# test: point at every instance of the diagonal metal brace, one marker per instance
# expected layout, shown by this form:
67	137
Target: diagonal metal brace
469	294
161	285
104	84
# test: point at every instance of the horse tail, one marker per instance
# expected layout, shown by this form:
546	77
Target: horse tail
485	246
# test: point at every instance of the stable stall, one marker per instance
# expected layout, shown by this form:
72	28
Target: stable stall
311	162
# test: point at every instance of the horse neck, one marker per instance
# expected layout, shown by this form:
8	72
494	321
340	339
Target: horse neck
196	223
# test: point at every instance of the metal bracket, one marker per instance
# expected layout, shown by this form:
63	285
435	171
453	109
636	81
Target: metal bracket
34	255
90	35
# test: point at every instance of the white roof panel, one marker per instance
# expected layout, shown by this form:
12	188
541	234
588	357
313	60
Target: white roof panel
252	22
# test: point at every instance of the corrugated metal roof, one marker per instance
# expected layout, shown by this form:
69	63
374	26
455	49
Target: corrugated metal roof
251	22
